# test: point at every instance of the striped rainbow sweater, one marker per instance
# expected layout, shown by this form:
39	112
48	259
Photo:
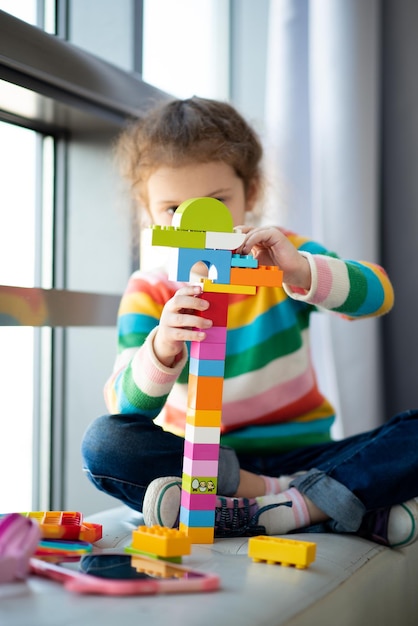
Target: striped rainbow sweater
271	400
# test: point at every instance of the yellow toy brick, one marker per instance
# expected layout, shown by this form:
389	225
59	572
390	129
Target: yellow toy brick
198	534
199	417
161	541
211	287
286	552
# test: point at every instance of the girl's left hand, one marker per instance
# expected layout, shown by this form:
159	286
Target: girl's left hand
270	246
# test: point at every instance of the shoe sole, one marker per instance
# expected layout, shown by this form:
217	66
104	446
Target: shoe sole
152	501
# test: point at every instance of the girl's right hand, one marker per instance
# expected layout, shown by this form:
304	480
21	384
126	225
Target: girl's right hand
179	323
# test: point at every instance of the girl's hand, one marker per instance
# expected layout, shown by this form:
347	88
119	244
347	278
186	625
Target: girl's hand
179	323
270	246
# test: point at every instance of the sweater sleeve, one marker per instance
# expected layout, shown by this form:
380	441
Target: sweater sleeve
353	289
139	382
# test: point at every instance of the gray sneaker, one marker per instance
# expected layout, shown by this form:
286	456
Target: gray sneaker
161	504
396	526
234	517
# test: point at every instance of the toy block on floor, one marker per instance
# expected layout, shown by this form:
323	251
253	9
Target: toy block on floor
66	525
285	552
160	541
90	532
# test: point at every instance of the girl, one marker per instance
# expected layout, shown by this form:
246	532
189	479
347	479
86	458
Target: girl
279	470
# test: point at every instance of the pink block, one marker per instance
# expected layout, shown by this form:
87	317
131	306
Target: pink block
216	334
198	501
203	350
201	451
200	468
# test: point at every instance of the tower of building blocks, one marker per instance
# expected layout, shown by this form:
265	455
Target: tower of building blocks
202	230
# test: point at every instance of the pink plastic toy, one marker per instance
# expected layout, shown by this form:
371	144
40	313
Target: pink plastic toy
19	538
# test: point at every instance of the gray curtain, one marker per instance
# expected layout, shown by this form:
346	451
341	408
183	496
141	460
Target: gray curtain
323	147
399	189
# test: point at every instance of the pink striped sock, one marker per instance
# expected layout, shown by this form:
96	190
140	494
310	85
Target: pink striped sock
282	518
276	485
280	484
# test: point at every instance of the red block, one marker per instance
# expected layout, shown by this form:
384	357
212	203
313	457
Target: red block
218	309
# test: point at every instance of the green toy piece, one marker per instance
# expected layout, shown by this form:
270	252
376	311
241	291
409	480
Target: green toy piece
212	215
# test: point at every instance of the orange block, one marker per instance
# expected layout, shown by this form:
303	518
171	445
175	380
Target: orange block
205	392
262	276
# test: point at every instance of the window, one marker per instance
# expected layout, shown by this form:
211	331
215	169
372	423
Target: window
26	159
24	9
187	52
60	216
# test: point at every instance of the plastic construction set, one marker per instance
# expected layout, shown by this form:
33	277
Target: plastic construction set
202	231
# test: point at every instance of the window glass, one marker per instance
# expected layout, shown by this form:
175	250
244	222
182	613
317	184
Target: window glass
28	11
23	9
17	267
26	196
16	424
186	52
17	205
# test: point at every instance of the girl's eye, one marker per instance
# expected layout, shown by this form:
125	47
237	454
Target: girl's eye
171	210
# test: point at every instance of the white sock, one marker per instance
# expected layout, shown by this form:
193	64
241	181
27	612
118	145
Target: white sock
281	519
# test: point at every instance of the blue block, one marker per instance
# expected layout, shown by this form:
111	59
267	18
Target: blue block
185	258
197	519
207	367
244	260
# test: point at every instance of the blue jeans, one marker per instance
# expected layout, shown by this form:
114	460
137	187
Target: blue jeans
347	479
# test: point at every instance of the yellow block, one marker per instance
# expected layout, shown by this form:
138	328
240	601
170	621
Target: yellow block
283	551
160	540
198	535
209	287
201	417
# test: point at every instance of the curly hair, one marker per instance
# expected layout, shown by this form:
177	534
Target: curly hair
194	130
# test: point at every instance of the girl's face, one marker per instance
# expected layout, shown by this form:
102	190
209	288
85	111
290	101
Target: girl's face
168	187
